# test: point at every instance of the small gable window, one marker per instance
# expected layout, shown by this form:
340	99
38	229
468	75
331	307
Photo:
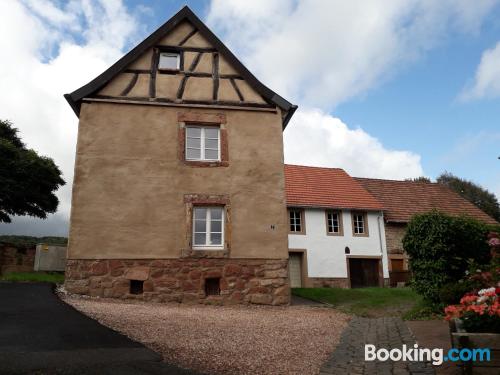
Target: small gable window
203	143
169	61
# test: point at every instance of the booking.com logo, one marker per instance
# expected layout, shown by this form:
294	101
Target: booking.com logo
436	356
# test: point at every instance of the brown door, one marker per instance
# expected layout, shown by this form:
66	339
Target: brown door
295	270
364	272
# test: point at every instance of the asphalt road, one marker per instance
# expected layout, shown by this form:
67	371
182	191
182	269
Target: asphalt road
40	334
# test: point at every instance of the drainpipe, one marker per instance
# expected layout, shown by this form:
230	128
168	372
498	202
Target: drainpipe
380	216
380	234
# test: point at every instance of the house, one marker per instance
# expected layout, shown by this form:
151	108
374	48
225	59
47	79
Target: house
336	230
402	200
179	188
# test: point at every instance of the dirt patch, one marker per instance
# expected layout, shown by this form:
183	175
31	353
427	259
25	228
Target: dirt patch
223	339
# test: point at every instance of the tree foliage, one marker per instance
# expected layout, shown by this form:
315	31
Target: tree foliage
474	193
419	179
440	248
27	181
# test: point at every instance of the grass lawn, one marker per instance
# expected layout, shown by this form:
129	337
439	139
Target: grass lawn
367	302
52	277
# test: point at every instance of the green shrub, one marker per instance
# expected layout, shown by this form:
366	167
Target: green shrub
451	293
440	248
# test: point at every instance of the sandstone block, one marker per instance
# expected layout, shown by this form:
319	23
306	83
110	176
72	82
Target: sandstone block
137	273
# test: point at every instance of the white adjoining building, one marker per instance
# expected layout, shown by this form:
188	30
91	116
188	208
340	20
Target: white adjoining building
336	230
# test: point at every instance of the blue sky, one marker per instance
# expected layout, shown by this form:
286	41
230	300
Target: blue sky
387	89
417	107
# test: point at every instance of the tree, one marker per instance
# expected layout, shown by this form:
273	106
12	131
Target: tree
474	193
419	179
27	181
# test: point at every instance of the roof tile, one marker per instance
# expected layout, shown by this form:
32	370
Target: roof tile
403	199
326	187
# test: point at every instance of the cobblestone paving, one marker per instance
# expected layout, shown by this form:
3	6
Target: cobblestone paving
348	357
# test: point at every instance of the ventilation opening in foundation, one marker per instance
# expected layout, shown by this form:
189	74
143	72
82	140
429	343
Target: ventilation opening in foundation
212	286
136	286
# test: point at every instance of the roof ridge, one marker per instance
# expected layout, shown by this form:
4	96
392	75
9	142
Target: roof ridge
316	167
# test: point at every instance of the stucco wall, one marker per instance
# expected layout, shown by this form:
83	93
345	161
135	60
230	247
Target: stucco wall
129	185
326	254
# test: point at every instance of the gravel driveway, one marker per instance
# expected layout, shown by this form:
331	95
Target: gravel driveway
226	340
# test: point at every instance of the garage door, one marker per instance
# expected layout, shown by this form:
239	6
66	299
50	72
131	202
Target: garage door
294	268
364	272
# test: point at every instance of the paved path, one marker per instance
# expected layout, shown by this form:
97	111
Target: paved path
348	357
40	334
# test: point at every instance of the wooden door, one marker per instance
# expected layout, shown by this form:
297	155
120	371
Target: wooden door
295	270
364	272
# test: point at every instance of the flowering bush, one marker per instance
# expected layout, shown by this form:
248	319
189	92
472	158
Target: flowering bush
479	312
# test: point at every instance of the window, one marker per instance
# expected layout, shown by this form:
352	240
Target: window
203	143
334	223
169	61
208	227
359	224
296	221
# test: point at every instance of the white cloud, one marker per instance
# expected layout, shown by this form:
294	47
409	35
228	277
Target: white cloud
34	81
319	56
486	82
318	139
323	54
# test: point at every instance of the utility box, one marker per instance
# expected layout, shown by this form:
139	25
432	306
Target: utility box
50	258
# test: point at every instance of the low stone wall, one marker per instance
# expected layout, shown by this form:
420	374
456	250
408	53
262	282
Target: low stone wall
259	281
16	259
328	282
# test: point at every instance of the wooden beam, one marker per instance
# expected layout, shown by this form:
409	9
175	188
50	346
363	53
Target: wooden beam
154	69
195	62
187	49
130	86
186	38
215	73
238	92
231	76
188	102
182	86
166	103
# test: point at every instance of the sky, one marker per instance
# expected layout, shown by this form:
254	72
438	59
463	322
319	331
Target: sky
385	88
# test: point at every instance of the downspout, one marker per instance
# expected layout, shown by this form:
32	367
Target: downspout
380	216
380	234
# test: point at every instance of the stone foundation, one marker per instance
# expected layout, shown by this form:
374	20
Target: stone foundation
328	282
241	281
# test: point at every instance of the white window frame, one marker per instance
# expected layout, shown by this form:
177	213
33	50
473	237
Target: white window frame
339	225
202	143
362	222
208	222
170	54
295	219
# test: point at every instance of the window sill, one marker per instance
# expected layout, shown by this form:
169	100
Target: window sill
205	253
199	163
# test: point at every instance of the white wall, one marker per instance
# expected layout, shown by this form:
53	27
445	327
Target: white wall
326	254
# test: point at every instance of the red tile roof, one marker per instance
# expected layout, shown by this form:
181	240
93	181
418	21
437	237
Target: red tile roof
325	187
403	199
